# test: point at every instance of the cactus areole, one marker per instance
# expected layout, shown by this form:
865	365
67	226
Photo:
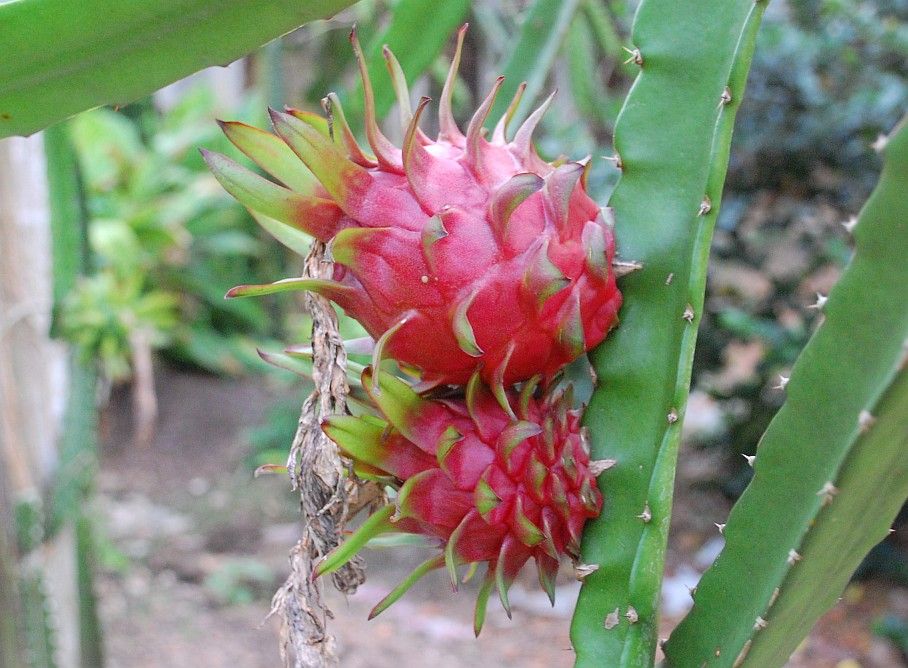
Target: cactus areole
490	484
461	253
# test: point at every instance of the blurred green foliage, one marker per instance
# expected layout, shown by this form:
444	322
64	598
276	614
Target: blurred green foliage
895	629
269	440
166	242
827	79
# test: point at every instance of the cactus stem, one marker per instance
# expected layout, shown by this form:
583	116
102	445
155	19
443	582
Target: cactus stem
688	313
634	56
611	619
706	205
865	421
783	381
759	624
582	570
820	302
750	459
793	557
631	614
827	492
669	278
646	515
720	527
850	224
676	181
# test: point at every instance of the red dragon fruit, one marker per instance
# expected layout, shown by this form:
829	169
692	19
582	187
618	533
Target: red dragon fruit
487	486
457	254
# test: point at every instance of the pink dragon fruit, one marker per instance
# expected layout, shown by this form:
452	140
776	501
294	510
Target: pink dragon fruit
487	486
457	254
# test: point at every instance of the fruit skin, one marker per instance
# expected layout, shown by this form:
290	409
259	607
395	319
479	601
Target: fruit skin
488	484
455	254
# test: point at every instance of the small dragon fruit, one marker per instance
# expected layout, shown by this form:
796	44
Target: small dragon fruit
458	254
486	485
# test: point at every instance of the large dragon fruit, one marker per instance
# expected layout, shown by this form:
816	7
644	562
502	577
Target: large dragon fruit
458	254
489	487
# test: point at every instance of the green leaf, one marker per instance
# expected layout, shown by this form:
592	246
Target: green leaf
116	242
62	57
673	136
296	240
396	540
603	27
832	469
109	148
590	95
541	34
417	33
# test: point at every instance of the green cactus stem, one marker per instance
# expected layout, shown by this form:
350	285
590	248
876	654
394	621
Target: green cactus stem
10	633
831	472
74	480
672	138
96	52
37	615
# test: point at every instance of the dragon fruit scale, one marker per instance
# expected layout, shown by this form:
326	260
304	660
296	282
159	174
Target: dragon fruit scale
455	254
487	487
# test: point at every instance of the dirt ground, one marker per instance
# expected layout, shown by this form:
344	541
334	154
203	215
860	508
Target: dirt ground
194	546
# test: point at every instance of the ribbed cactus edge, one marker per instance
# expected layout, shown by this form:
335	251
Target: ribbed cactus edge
831	472
672	140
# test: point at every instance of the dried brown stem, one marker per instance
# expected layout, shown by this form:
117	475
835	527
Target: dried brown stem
327	492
